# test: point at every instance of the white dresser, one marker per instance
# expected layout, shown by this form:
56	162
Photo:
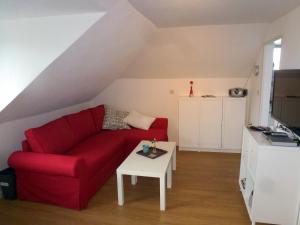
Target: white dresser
211	123
271	177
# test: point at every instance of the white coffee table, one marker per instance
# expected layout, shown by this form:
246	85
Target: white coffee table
137	165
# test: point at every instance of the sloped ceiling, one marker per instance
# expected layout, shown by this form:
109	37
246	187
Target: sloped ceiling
12	9
124	43
171	13
88	66
28	46
203	51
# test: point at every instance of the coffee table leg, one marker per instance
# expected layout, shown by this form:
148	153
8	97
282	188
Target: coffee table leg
169	175
120	189
162	192
174	160
133	180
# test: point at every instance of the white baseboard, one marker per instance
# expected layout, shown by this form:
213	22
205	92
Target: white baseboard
211	150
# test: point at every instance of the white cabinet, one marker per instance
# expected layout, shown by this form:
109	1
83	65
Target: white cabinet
234	111
189	129
211	123
271	180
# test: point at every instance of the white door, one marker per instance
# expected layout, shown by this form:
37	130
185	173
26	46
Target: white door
210	120
188	123
234	110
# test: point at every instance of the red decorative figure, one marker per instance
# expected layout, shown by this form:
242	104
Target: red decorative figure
191	89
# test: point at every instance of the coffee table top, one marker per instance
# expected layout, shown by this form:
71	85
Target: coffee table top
139	165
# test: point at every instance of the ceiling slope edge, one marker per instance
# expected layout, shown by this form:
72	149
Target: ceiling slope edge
92	63
29	46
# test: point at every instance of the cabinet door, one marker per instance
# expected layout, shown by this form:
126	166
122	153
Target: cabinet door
245	145
188	123
210	120
234	110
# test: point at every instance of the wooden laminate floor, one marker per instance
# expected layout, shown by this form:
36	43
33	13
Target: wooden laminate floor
205	192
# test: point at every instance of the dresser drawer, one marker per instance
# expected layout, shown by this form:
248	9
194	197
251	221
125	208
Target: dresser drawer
245	146
252	157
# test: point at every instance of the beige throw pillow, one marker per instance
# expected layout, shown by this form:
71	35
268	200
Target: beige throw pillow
138	120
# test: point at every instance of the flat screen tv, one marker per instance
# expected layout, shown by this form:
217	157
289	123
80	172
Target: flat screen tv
286	99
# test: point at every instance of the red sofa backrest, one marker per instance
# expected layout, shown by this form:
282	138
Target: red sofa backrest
160	123
82	124
60	135
26	146
54	137
98	115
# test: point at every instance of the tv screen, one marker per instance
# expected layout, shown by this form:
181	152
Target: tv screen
286	99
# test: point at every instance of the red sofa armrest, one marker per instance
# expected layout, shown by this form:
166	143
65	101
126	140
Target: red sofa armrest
160	123
50	164
25	146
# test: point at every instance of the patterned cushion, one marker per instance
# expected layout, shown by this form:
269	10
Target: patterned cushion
113	119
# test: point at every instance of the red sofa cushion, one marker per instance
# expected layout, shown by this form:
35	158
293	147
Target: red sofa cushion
98	115
160	123
98	150
134	135
82	124
54	137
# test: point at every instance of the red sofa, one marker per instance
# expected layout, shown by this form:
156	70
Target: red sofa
66	161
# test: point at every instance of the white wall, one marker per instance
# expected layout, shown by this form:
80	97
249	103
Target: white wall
98	57
155	96
28	46
171	54
12	133
254	93
286	27
266	84
92	62
202	51
216	57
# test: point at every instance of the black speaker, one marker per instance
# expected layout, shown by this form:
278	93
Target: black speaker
238	92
